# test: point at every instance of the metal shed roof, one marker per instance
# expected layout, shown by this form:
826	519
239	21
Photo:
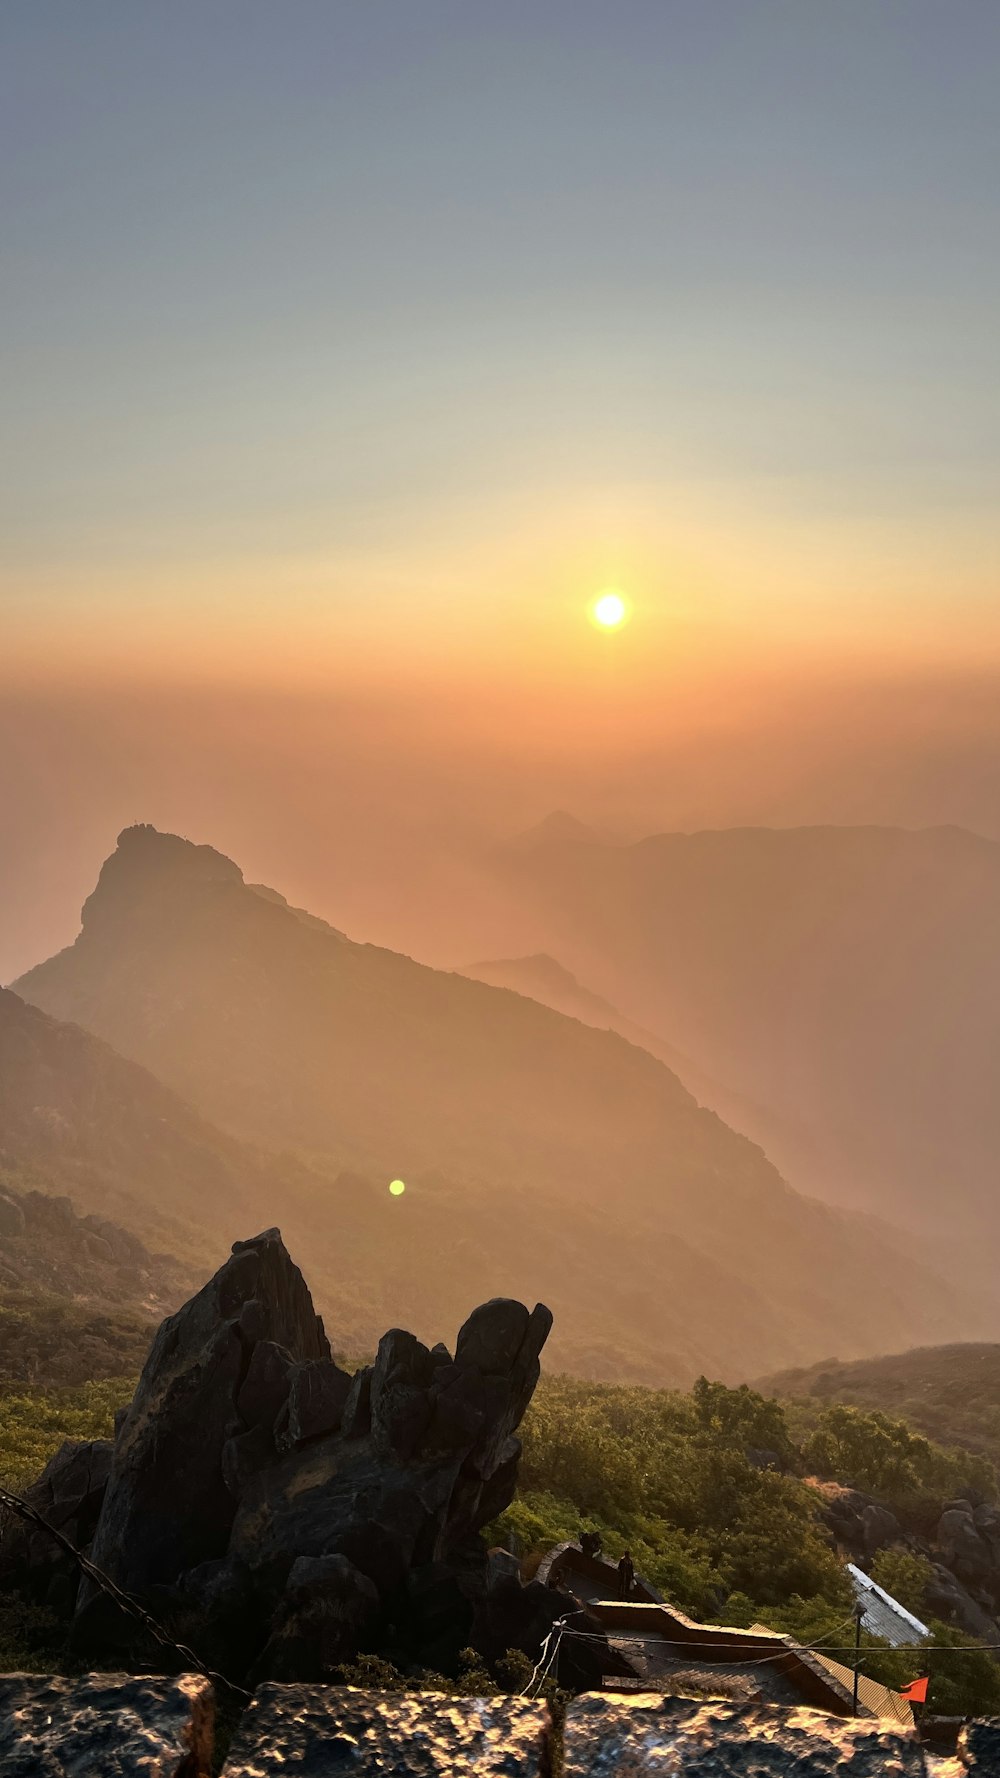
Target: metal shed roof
883	1615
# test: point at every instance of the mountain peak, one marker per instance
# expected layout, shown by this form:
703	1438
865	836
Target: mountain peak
558	828
146	862
142	841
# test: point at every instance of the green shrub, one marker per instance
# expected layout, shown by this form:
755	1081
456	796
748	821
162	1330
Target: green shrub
34	1423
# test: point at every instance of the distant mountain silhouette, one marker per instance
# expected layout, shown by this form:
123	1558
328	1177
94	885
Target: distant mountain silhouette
542	977
80	1120
542	1158
842	985
558	828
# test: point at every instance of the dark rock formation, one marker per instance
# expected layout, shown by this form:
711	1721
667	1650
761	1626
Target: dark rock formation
68	1493
106	1724
964	1553
167	1506
968	1538
979	1748
650	1733
315	1733
859	1524
947	1599
286	1515
314	1403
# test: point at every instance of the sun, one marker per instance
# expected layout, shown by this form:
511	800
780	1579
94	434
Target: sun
609	611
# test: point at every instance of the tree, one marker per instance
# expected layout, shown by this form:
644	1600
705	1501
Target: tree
903	1574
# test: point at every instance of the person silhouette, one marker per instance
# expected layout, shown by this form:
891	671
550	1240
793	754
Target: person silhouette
626	1576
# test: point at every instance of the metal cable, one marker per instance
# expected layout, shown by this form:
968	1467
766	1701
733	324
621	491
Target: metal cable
131	1607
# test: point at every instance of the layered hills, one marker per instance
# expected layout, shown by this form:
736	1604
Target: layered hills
542	1158
542	977
839	986
79	1120
79	1295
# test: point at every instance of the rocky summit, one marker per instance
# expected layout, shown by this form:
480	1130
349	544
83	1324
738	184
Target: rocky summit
279	1514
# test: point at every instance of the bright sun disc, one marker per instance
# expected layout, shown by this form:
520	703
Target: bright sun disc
397	1187
610	611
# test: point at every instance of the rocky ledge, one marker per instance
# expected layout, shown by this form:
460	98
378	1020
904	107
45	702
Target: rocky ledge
107	1725
123	1727
278	1515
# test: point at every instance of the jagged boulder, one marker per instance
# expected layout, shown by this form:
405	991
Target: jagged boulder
965	1541
948	1599
424	1452
979	1747
879	1528
168	1507
314	1403
326	1609
286	1513
69	1495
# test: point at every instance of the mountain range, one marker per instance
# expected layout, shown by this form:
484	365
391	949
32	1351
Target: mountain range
542	1157
834	992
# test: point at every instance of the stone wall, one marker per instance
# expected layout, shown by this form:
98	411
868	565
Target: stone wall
122	1726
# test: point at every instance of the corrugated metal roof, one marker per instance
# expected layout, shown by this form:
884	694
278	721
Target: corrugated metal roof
873	1697
883	1615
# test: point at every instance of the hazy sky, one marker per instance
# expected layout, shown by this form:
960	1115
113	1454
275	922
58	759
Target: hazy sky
350	349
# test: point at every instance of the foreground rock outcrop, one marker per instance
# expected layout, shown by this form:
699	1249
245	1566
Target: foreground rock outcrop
315	1733
116	1726
654	1734
279	1515
106	1724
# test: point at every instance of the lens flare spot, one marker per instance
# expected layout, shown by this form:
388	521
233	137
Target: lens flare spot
397	1187
609	611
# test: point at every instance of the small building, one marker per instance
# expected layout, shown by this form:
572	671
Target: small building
672	1653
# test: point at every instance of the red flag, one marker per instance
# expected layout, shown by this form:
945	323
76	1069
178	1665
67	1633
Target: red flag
917	1692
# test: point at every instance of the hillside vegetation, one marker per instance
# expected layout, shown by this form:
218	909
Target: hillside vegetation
952	1393
79	1120
35	1422
707	1492
523	1137
48	1342
707	1489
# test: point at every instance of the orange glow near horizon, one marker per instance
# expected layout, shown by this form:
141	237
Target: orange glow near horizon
482	607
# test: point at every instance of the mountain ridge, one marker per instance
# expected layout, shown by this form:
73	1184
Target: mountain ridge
492	1108
841	983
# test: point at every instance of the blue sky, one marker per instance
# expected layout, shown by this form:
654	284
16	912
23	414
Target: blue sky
276	275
